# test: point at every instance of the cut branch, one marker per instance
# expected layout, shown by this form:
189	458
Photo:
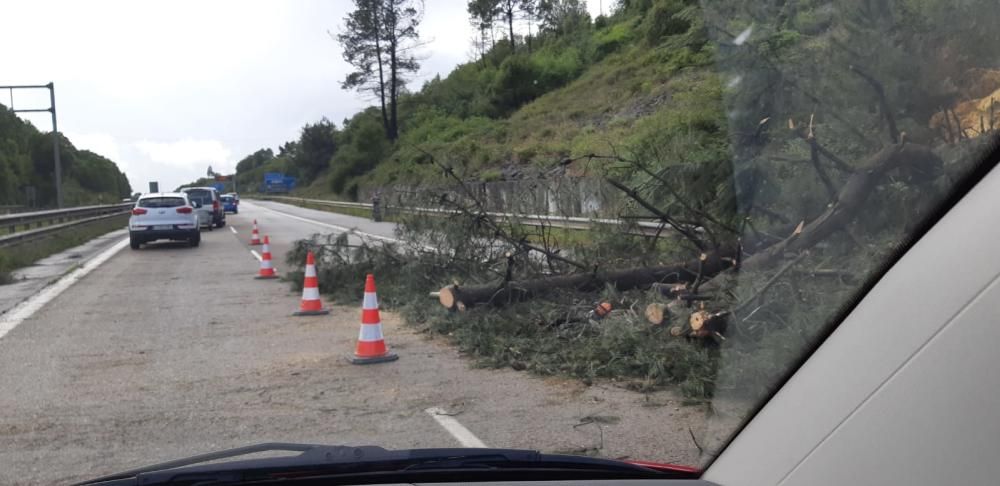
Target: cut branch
483	216
632	193
838	162
673	192
814	158
850	199
767	285
890	120
958	125
951	138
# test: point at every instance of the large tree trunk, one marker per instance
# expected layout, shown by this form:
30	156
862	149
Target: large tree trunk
715	262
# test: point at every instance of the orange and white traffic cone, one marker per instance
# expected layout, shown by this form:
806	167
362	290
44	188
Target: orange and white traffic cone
311	305
254	235
266	269
371	345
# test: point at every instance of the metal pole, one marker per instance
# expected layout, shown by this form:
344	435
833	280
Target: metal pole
55	145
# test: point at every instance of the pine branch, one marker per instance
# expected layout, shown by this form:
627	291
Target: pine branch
814	158
890	120
632	193
484	216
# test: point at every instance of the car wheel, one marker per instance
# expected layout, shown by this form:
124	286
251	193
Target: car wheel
195	240
134	243
211	226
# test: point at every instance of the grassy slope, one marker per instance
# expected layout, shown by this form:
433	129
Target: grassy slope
594	114
632	95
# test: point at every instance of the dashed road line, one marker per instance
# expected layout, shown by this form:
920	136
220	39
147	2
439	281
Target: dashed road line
234	230
457	430
256	255
26	309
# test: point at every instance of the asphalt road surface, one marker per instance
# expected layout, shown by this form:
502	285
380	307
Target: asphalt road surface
171	351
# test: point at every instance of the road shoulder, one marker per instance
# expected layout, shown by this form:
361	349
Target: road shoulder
29	281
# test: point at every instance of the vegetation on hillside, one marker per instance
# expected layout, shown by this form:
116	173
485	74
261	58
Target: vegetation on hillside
26	165
570	86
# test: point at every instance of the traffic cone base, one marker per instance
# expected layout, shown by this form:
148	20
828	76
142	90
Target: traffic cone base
265	277
319	312
385	358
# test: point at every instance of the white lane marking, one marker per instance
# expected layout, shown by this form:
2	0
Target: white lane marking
234	230
457	430
26	309
341	229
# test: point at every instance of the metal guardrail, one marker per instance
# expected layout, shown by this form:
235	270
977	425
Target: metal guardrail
56	216
12	208
649	227
26	236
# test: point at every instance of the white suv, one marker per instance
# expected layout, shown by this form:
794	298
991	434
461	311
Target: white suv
163	216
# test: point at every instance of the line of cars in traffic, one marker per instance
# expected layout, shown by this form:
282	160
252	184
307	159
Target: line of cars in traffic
179	216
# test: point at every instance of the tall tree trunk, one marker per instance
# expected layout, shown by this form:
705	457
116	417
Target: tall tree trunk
381	73
393	92
391	23
381	87
483	40
510	23
528	38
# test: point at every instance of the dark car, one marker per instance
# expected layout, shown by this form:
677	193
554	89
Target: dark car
208	205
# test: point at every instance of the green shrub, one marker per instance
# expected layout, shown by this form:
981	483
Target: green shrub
663	21
612	39
363	146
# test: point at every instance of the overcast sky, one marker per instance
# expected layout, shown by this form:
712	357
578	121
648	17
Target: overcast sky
167	88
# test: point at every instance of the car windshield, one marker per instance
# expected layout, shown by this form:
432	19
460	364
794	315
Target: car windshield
200	196
609	229
161	202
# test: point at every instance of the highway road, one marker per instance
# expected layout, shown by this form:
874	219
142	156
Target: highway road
171	351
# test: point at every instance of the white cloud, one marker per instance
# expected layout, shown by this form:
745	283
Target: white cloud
99	143
188	153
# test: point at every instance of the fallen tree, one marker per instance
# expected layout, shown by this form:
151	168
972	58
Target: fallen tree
847	204
455	296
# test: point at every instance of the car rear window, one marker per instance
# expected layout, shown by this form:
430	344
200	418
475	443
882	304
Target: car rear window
161	202
227	198
200	195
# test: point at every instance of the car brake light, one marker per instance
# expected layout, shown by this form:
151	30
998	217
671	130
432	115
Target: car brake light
184	210
138	211
215	204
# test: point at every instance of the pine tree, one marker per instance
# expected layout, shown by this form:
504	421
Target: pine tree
378	39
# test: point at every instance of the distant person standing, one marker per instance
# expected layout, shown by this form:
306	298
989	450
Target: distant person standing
377	206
